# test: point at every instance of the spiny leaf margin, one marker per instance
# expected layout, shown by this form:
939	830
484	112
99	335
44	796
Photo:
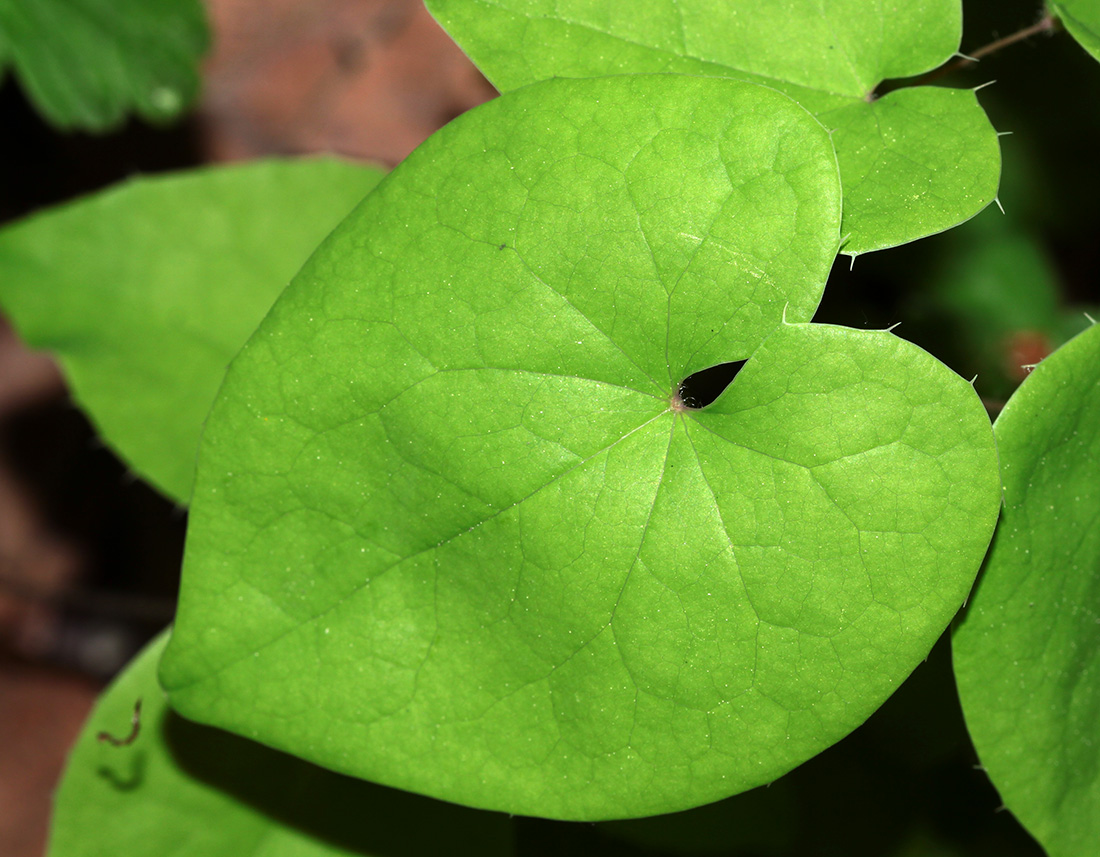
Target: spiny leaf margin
86	63
1027	651
914	163
489	377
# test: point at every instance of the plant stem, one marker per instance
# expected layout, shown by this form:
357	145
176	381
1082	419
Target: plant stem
1047	24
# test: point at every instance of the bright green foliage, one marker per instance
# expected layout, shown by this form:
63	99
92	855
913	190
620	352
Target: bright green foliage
1027	654
1081	18
145	292
87	63
913	163
193	791
452	532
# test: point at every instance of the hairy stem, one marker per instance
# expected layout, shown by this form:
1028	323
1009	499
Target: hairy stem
1047	24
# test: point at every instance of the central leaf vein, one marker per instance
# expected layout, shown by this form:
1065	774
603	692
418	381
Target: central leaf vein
255	650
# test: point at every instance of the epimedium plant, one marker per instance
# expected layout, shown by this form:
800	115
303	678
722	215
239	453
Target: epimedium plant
514	378
456	526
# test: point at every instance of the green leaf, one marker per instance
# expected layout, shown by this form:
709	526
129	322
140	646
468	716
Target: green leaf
913	163
1027	653
146	291
192	791
87	63
454	531
1081	18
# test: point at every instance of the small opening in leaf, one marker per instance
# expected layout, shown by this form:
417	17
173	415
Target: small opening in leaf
701	388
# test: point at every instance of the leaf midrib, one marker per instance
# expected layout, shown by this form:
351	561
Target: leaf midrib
442	543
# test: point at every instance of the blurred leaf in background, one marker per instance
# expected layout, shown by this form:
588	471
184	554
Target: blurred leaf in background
1082	19
87	63
146	291
913	162
191	791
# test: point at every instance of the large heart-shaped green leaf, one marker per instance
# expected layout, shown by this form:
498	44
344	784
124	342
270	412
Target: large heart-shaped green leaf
1027	654
1082	19
454	529
913	163
193	791
146	291
86	63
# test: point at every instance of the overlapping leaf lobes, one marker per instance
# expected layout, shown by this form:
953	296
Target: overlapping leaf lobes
916	162
449	534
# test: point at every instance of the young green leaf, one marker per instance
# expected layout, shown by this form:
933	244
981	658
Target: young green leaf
146	291
192	791
455	530
913	163
1027	653
1081	18
87	63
